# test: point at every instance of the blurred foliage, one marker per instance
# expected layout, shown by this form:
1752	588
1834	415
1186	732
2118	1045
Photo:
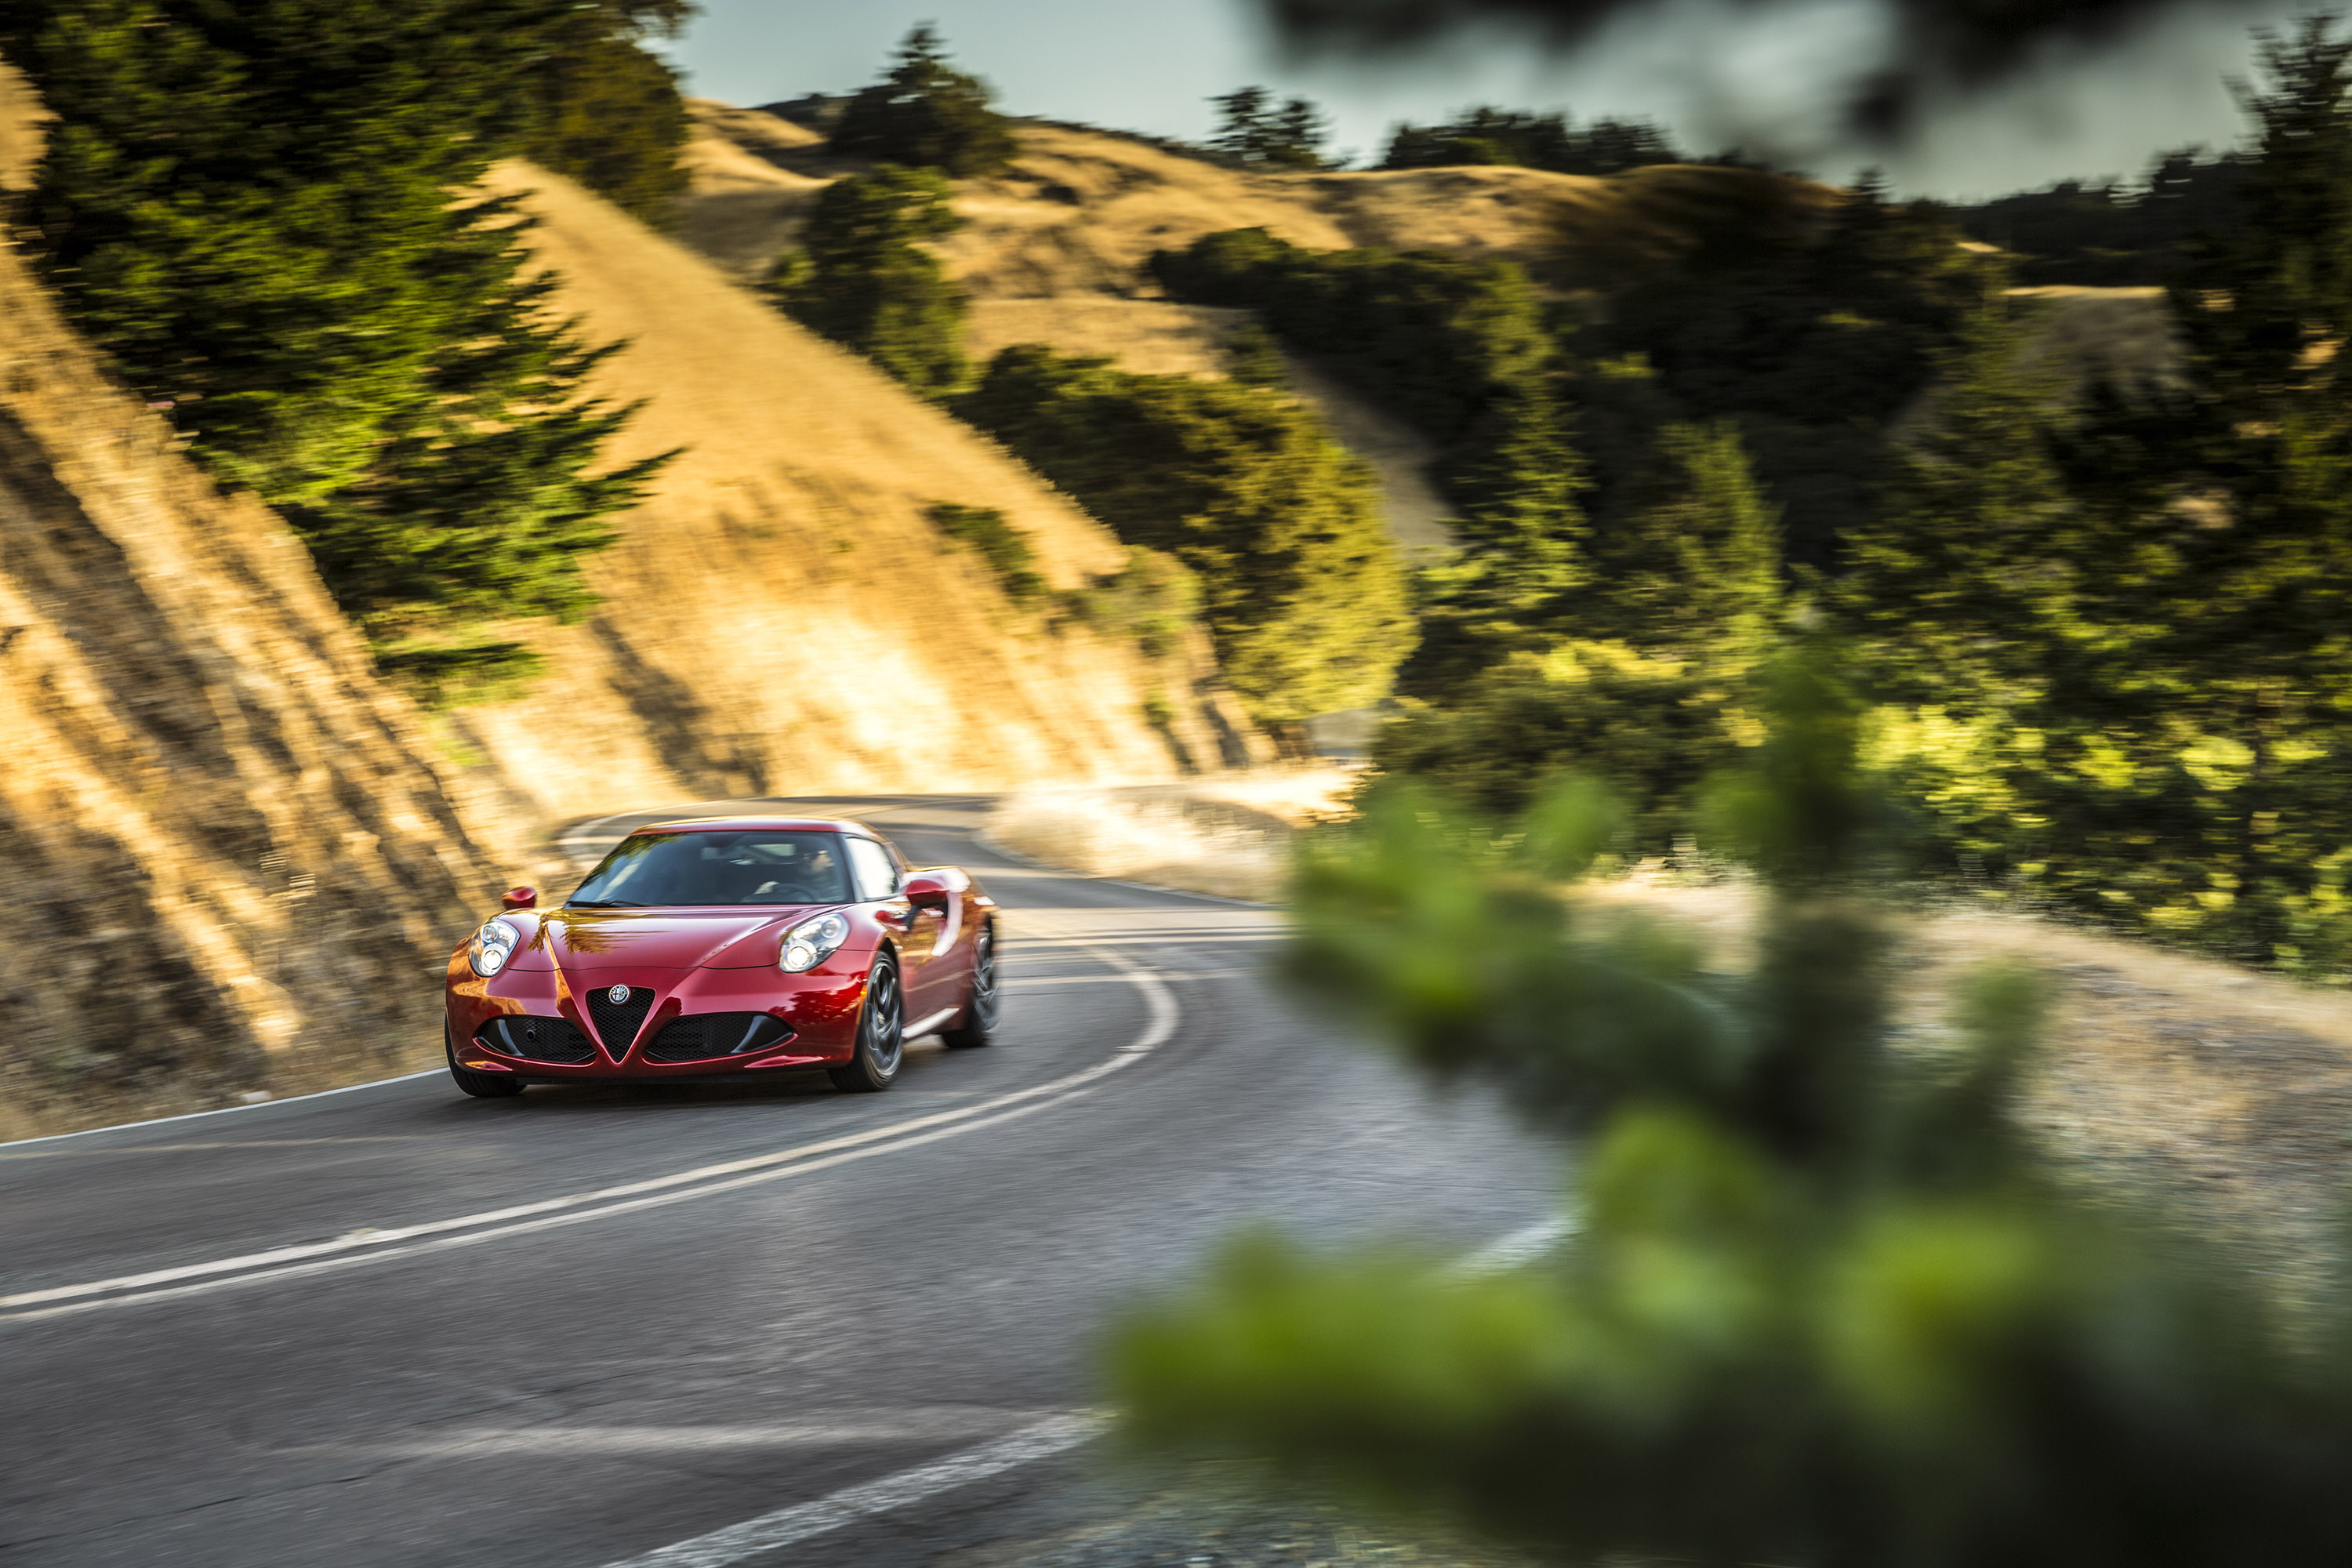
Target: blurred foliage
1490	135
1460	349
926	114
1152	600
1256	131
2111	235
462	674
609	112
1300	586
862	277
2101	634
996	541
1816	341
1645	676
1823	1304
1254	359
2111	645
265	217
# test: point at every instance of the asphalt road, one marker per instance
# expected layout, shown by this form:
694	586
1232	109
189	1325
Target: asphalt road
225	1339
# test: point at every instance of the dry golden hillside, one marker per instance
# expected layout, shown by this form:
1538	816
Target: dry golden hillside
234	861
780	616
1081	211
1057	250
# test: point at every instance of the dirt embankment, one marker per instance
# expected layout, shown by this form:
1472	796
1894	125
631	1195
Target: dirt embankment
233	862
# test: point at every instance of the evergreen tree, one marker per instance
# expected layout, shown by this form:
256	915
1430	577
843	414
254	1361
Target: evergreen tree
2262	611
1974	538
1813	334
609	114
1695	572
1642	674
926	114
862	277
1258	132
1301	588
261	216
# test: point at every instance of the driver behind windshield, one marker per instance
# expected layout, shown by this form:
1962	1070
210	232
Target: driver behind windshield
762	867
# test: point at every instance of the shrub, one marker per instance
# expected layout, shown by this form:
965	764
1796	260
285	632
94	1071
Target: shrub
996	541
1301	587
862	277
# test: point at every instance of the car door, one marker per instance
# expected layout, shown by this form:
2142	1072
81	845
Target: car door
875	872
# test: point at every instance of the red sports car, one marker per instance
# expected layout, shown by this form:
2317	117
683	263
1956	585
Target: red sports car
725	945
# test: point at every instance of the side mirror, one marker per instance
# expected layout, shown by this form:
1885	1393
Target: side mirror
926	891
520	899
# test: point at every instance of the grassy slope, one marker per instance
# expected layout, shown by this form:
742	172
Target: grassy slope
1054	251
780	616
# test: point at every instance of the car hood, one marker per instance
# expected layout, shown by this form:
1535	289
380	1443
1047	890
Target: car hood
664	939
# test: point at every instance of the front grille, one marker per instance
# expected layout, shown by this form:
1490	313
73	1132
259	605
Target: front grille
541	1040
617	1023
700	1036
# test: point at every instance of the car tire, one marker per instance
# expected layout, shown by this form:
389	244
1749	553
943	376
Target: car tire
881	1047
480	1085
976	1024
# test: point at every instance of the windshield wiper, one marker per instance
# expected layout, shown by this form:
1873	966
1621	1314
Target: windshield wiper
603	904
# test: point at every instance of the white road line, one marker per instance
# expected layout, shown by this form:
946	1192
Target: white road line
1522	1246
224	1110
723	1548
705	1180
787	1525
851	1427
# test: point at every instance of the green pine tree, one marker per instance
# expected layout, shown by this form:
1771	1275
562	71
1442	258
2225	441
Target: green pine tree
250	212
1642	675
1695	571
926	114
1257	133
2266	595
861	277
1973	536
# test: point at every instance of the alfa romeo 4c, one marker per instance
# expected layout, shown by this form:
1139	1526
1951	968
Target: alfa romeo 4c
722	946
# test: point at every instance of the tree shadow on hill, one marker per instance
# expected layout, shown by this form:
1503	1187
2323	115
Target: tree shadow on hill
717	763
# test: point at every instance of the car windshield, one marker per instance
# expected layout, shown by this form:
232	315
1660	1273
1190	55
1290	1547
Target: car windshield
761	866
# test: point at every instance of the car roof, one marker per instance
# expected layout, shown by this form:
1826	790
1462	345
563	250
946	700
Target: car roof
756	823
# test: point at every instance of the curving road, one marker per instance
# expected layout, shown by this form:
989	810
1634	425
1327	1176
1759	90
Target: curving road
689	1325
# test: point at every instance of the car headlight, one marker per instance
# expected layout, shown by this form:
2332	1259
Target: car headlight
492	946
809	943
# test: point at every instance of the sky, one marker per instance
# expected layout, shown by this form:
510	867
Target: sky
1758	73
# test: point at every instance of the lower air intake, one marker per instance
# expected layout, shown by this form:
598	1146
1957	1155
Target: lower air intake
706	1037
540	1040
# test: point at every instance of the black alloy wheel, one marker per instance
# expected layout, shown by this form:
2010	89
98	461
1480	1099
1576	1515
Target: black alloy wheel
977	1025
480	1085
881	1036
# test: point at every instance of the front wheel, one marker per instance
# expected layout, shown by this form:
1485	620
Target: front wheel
480	1085
977	1025
872	1066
